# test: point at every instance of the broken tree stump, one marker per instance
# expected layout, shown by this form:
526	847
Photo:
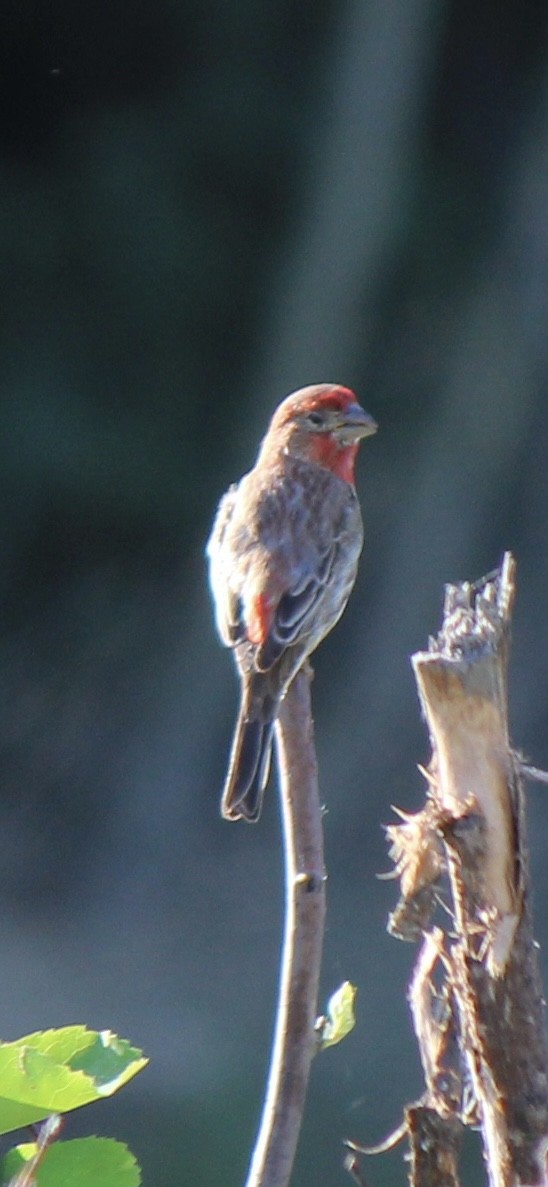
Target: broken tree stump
476	995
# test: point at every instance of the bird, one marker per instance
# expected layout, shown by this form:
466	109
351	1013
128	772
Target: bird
283	555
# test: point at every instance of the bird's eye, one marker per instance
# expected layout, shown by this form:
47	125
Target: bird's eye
315	418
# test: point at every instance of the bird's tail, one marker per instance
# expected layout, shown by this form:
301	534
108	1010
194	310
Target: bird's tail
249	764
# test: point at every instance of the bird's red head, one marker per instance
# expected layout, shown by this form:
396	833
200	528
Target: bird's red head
322	423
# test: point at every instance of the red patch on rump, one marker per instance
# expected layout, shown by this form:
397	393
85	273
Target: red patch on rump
260	619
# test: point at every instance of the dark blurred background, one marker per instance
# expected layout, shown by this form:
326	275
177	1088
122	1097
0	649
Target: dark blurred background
202	207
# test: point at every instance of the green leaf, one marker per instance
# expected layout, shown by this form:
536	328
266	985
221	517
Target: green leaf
340	1019
54	1071
84	1162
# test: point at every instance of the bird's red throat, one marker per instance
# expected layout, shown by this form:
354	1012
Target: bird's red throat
340	459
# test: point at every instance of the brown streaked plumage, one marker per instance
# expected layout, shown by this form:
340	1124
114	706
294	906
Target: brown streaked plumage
283	556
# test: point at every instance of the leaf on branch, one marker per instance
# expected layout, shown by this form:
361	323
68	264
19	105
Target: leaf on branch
340	1018
54	1071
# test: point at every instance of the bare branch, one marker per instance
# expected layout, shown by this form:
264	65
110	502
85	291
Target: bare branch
295	1040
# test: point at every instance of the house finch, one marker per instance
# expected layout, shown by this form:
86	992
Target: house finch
283	556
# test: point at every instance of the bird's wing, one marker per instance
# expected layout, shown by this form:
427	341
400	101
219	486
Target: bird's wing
296	609
272	559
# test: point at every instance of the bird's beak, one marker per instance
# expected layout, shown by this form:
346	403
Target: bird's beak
356	423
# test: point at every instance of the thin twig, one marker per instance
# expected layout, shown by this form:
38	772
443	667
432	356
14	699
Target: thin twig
352	1165
295	1040
388	1143
533	773
48	1132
